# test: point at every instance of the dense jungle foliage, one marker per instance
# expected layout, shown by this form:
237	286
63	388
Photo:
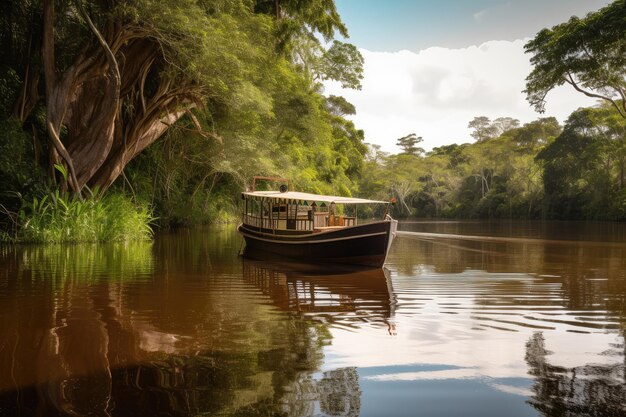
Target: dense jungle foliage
538	170
174	105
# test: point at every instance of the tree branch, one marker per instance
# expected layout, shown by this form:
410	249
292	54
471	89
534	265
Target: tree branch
51	84
58	145
142	83
570	80
117	79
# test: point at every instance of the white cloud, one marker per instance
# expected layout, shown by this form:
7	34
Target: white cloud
437	91
498	12
479	15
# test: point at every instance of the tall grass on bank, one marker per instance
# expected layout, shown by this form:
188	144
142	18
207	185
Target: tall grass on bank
57	218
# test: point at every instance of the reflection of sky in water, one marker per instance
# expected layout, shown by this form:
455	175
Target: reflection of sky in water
438	320
442	391
461	341
452	327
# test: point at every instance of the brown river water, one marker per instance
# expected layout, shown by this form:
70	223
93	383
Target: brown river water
466	319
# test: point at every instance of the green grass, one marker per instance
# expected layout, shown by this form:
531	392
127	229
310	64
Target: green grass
56	218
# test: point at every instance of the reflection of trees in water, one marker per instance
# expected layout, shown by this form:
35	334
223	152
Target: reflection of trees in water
54	331
536	256
97	367
198	250
337	393
92	339
589	390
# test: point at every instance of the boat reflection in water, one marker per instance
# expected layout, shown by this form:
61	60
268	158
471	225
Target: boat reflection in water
337	294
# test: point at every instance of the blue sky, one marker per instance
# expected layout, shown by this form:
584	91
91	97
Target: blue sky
393	25
432	66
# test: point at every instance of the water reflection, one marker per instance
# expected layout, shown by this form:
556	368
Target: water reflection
340	297
170	328
184	326
594	390
335	393
535	290
466	309
57	308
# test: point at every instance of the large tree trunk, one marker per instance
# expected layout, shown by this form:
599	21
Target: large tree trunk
56	93
109	112
96	134
122	155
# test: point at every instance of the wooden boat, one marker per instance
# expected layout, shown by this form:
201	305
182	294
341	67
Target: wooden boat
313	228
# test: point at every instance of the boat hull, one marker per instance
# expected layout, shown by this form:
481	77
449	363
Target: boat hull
363	245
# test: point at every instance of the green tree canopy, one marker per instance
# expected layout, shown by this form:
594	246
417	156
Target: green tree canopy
589	54
301	19
504	124
409	143
344	63
119	75
483	128
339	106
536	133
584	166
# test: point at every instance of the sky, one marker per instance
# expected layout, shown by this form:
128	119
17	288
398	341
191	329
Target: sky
432	66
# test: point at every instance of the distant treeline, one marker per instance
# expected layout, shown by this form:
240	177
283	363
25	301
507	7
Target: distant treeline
538	170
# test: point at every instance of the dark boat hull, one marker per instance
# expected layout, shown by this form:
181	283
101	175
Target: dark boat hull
364	245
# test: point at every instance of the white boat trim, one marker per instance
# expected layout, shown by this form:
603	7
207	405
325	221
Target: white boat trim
392	233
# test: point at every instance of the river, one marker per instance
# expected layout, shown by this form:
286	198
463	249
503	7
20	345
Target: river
467	318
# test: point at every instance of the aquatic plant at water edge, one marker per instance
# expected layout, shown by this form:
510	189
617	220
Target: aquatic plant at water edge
58	218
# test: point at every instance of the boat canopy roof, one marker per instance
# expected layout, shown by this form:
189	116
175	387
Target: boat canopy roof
306	198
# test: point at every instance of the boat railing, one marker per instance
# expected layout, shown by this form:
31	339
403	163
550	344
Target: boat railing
278	223
304	222
257	221
349	221
326	220
320	219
